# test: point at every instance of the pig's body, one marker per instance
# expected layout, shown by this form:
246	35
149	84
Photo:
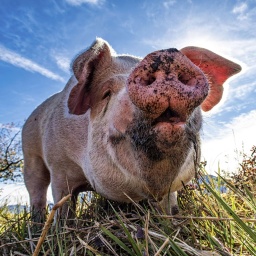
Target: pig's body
102	133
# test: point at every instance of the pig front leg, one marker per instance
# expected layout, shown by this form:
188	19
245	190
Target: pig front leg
64	184
168	205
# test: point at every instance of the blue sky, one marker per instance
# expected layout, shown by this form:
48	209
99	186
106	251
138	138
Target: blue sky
38	39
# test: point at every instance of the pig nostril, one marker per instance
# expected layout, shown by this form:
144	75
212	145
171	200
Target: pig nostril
183	78
186	79
150	80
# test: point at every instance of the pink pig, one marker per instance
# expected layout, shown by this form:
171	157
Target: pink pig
122	126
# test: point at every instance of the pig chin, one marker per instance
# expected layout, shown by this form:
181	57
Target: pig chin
158	139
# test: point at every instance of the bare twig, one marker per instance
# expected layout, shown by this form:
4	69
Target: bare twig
203	218
18	242
87	246
146	232
162	246
9	153
8	165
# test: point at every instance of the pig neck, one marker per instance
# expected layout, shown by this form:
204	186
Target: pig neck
159	175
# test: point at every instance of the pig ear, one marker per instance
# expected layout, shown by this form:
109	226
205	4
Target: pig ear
216	68
85	67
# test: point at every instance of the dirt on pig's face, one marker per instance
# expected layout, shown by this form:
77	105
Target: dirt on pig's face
165	89
159	139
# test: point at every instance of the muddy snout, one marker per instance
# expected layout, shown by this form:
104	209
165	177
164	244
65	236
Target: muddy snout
167	85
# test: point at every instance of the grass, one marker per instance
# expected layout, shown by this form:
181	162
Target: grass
210	223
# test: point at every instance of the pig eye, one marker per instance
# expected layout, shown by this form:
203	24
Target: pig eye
107	94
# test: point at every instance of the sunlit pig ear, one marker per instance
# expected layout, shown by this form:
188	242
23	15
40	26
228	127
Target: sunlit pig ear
216	68
86	66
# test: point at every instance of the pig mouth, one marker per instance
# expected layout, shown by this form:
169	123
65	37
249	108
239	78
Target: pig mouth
159	136
170	116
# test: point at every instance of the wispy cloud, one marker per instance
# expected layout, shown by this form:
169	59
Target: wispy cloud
243	91
236	135
169	3
62	62
240	9
80	2
22	62
245	12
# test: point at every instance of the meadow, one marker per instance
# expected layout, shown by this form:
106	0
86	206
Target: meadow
210	222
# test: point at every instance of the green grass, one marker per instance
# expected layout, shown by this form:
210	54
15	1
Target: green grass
209	222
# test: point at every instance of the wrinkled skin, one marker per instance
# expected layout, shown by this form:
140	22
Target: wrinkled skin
124	127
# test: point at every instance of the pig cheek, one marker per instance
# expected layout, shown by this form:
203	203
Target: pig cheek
120	123
122	114
99	109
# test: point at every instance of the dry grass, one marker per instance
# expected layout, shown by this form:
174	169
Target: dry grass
210	223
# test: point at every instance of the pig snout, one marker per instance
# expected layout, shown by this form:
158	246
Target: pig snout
167	86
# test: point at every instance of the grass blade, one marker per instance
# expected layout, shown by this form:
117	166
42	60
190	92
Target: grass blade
117	240
247	229
177	249
133	243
